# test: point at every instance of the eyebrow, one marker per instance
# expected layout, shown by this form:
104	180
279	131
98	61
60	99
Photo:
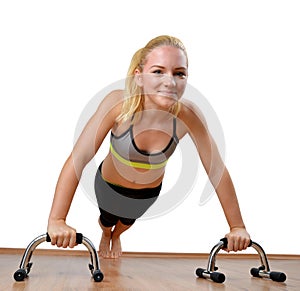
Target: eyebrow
162	67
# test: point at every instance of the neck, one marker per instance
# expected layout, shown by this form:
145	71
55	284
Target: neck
155	116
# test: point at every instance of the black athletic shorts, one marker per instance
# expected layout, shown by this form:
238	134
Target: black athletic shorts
120	203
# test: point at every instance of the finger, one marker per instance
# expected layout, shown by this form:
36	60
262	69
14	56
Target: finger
238	244
229	244
235	245
72	242
53	239
247	243
242	245
59	240
66	240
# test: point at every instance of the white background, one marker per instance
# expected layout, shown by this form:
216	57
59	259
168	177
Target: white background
244	58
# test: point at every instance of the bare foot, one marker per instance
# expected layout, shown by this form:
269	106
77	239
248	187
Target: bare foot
116	249
104	246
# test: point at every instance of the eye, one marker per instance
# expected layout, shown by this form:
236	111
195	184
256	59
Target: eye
180	74
158	71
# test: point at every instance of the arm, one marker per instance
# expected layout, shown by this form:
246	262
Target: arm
238	237
84	150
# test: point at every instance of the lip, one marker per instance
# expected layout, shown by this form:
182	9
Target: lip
168	93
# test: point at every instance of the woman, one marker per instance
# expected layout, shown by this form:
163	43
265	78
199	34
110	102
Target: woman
146	121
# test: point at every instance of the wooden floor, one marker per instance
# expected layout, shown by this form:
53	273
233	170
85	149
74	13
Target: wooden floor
68	270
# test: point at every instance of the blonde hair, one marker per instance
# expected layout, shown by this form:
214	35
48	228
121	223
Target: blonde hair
133	97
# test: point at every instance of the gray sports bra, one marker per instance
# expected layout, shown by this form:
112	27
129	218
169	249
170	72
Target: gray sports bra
124	149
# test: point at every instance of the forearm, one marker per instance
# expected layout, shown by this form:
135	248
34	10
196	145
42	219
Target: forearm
229	202
64	192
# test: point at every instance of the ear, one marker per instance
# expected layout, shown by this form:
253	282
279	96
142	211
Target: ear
138	78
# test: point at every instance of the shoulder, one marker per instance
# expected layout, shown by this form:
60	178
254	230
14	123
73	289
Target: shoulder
114	98
108	110
191	114
112	103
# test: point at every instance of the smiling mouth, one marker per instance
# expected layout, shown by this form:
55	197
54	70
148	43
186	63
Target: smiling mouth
167	93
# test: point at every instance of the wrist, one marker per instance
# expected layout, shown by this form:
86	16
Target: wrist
237	227
55	219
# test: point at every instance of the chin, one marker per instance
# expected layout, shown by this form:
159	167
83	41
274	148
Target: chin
167	105
162	101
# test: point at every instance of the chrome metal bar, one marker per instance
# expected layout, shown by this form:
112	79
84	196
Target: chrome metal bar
262	255
264	274
30	248
212	256
94	256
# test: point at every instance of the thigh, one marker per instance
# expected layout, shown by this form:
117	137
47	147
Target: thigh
107	219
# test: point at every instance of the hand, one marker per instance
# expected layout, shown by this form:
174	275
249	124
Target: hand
238	239
61	234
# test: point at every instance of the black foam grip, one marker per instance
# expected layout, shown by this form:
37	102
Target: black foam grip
225	242
79	237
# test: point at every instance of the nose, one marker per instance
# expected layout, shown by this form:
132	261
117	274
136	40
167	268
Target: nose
169	80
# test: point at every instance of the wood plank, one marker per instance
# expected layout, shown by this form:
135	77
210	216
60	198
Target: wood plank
72	252
69	271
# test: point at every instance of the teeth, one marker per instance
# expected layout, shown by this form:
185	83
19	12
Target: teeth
167	93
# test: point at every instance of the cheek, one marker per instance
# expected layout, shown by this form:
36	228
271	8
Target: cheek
181	86
150	84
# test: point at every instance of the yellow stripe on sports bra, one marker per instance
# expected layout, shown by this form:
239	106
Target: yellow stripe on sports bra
137	164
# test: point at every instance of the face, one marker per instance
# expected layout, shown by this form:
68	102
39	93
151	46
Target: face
164	77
